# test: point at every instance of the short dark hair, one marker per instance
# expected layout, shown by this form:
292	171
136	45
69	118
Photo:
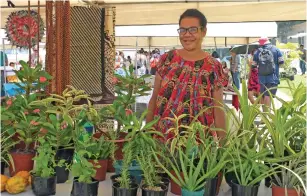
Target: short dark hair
215	54
301	45
194	13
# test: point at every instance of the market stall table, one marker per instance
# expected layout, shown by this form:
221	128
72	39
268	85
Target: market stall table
105	189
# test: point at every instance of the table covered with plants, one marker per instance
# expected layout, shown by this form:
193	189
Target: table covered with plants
47	139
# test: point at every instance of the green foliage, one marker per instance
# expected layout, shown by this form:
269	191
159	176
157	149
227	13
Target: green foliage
32	79
291	54
6	145
147	164
82	169
45	158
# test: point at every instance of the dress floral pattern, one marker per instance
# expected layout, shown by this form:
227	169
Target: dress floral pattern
187	88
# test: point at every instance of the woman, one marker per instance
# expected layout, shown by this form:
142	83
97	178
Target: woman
253	81
188	80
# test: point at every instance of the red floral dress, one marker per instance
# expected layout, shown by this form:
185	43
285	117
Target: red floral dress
186	88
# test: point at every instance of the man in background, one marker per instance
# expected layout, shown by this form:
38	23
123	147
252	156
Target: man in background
267	58
302	59
235	63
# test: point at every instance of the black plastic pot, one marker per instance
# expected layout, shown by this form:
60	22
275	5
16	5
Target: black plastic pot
238	190
43	186
211	186
117	191
113	177
61	172
230	176
166	182
154	193
2	167
84	189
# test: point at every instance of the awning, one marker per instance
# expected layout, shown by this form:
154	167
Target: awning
148	12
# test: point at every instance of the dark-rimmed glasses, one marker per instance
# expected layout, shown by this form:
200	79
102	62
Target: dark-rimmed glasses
191	30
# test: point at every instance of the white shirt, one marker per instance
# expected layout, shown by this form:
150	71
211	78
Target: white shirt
9	71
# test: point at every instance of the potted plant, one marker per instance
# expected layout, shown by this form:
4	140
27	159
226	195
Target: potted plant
292	177
127	88
153	184
6	145
43	175
100	152
83	172
27	118
285	127
61	112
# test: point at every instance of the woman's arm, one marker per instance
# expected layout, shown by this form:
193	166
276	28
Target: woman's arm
152	102
219	113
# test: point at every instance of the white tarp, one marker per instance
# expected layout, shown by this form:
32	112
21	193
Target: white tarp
148	12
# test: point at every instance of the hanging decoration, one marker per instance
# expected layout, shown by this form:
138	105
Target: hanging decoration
17	28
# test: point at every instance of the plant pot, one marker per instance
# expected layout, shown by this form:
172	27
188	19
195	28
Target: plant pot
61	172
102	170
110	166
281	191
117	191
22	162
3	164
229	177
211	185
166	182
43	186
186	192
84	189
134	170
238	190
175	188
162	192
119	155
113	178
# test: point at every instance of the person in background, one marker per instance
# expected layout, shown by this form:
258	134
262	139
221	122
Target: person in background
10	74
267	58
35	59
302	59
235	62
154	62
141	63
186	75
253	80
129	60
216	56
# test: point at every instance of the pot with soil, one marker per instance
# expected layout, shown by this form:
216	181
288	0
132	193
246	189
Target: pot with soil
43	186
158	190
84	189
281	191
101	170
239	190
22	161
175	188
62	172
118	191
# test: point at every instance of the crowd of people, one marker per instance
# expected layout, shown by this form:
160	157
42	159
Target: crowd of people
145	61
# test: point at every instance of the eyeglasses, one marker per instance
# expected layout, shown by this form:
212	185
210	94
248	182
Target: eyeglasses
191	30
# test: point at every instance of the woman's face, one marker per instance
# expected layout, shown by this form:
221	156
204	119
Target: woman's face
191	34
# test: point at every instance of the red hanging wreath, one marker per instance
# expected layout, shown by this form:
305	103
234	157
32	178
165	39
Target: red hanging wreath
17	28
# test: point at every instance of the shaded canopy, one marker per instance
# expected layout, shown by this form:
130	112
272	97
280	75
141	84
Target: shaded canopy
146	12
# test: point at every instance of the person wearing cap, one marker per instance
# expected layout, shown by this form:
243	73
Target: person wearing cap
268	82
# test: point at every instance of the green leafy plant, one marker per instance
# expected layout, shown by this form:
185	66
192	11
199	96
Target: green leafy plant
45	158
6	145
101	148
32	79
